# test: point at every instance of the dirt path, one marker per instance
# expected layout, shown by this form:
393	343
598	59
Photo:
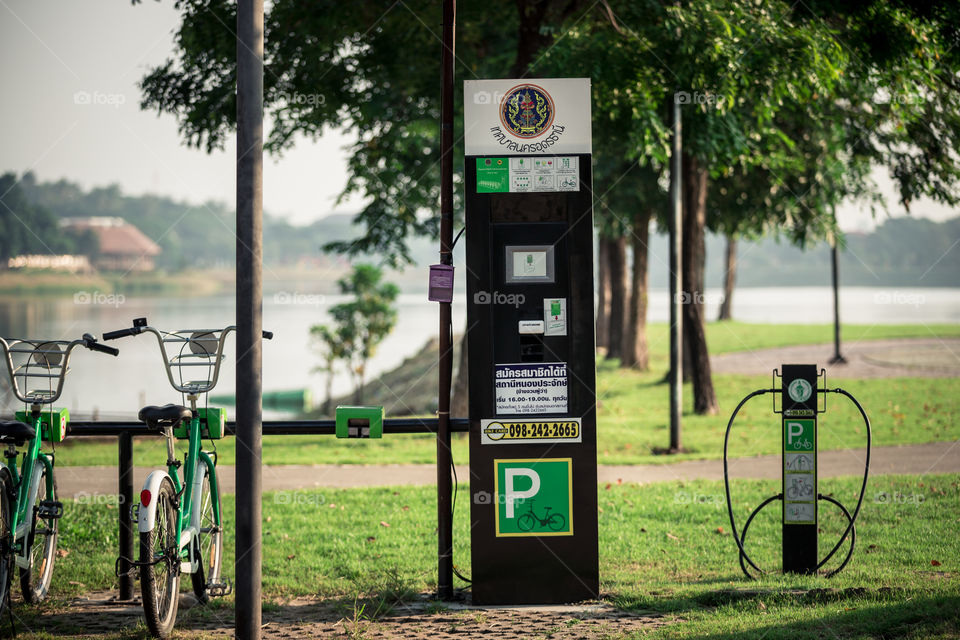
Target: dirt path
917	358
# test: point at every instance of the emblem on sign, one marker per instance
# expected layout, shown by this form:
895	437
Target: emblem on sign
799	390
527	111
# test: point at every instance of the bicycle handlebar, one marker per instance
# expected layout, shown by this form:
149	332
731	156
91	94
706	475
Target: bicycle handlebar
121	333
186	336
49	359
91	343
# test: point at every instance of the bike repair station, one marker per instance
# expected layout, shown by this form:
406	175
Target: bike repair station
802	398
533	453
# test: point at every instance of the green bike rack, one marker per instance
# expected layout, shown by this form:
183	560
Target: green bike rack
359	422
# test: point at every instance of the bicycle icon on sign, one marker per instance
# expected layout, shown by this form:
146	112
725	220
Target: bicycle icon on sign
553	521
804	444
799	489
802	463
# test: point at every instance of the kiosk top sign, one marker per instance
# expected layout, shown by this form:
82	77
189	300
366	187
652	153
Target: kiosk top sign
535	116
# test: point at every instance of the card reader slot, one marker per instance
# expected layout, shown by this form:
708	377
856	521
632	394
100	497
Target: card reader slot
531	348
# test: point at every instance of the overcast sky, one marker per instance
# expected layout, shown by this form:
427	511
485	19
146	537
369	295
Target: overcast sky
71	110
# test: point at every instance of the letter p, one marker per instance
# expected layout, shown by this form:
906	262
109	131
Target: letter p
511	495
794	430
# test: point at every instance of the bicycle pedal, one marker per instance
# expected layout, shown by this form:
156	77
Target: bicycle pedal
219	589
50	509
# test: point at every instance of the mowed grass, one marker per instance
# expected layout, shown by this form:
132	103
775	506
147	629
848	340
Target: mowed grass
633	410
663	547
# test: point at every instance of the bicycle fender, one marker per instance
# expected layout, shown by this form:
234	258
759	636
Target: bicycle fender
147	516
23	561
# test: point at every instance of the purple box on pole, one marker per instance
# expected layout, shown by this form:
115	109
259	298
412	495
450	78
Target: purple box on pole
441	283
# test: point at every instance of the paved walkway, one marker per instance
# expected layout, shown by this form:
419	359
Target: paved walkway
937	457
910	357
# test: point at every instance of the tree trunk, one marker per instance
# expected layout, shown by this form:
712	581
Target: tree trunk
618	296
603	292
358	389
729	279
460	407
634	349
328	402
694	253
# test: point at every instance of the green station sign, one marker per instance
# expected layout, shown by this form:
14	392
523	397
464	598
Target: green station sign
534	497
799	435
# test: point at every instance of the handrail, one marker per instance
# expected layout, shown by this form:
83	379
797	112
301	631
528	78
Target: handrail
103	428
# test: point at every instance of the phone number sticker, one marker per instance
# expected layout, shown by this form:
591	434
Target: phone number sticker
525	431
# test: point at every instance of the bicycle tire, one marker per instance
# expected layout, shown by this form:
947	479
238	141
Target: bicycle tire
160	582
556	521
6	559
792	493
526	522
35	585
209	543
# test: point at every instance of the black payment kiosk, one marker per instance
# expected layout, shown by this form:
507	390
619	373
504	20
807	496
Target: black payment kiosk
530	318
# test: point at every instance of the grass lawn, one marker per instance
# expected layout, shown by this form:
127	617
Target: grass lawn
663	547
634	412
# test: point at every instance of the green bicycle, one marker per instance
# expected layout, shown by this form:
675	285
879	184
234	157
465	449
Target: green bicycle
180	523
29	508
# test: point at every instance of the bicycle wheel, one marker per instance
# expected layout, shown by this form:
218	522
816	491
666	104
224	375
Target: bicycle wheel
556	521
209	542
6	555
42	541
526	522
792	493
160	573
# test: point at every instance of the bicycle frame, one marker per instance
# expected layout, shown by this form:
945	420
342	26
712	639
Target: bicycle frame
24	480
189	489
188	515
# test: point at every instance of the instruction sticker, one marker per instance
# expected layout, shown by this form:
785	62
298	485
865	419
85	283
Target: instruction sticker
523	431
528	174
555	316
531	388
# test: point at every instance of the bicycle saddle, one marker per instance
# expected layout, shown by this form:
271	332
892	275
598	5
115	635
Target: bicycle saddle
12	431
169	415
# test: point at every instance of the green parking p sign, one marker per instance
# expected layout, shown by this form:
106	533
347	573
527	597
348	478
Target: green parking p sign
534	497
799	435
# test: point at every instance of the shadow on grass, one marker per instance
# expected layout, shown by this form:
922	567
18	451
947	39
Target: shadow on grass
864	612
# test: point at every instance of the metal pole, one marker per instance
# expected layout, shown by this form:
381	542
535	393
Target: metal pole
444	483
125	493
837	357
249	309
676	315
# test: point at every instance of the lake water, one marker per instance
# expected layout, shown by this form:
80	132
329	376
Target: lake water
117	387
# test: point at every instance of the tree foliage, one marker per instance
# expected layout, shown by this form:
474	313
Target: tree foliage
359	325
27	228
